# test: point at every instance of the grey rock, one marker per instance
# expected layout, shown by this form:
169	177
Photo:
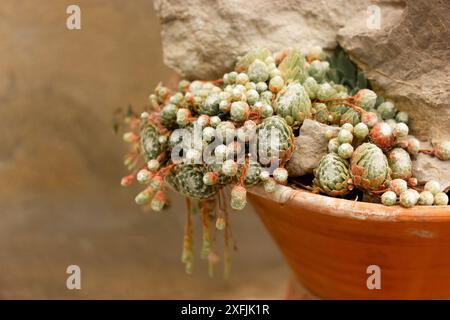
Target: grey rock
310	146
426	168
203	38
407	60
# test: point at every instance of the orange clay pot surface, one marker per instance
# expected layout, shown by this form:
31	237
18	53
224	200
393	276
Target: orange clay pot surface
329	243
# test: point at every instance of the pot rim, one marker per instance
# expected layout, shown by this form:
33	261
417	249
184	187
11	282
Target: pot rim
355	210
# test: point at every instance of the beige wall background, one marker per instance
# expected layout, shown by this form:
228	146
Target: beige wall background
61	163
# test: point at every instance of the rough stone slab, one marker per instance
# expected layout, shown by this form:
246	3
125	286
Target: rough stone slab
426	168
407	60
203	38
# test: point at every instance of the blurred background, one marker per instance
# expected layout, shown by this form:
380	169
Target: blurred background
61	163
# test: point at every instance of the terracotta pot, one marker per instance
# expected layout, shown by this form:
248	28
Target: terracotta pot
329	243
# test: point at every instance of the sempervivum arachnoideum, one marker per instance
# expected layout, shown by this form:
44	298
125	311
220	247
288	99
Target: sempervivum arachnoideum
293	104
369	168
382	135
150	145
188	180
252	173
332	175
400	164
275	139
442	150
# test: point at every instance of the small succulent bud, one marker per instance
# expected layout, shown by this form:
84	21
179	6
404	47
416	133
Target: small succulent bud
369	118
176	99
382	135
210	178
401	130
398	186
264	175
387	110
266	96
252	96
127	180
153	165
270	185
361	131
209	133
183	117
162	139
409	198
239	111
145	115
317	69
153	100
250	86
214	121
345	150
433	186
348	127
267	111
238	197
261	87
345	136
232	77
158	201
325	91
258	71
183	85
276	84
311	87
330	134
402	117
366	99
274	73
400	164
144	196
130	137
280	175
230	168
440	199
442	150
413	146
389	198
225	106
242	78
156	182
333	145
238	93
143	176
203	120
221	152
426	198
220	223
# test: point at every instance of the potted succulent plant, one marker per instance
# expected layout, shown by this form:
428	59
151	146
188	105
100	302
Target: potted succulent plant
211	141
